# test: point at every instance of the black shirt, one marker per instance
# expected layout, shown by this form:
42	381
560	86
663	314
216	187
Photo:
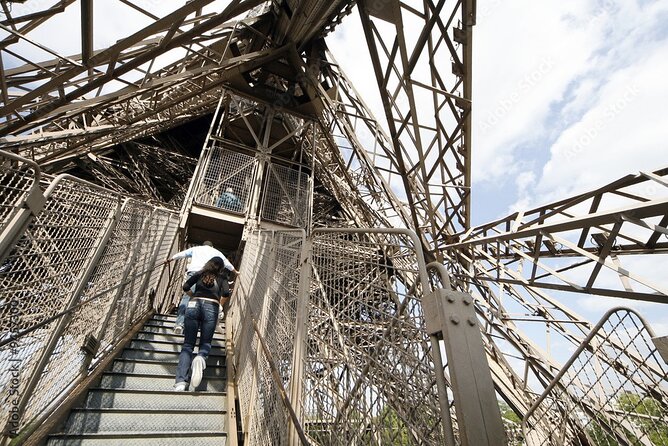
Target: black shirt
219	288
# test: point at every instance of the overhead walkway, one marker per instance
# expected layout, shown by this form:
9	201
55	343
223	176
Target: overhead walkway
134	402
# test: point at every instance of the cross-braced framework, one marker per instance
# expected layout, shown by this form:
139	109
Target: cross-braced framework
298	144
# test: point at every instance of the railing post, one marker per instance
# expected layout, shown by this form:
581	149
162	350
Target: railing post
62	323
32	205
301	336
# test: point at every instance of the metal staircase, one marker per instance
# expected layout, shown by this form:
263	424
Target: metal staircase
134	402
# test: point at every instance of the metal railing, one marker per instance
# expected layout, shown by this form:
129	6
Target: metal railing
266	292
78	273
341	318
612	391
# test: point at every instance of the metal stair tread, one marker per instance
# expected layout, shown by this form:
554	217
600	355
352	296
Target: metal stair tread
152	411
166	351
180	337
153	392
141	434
158	341
170	327
159	362
151	375
166	344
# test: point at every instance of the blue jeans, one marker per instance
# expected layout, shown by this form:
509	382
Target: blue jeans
202	316
180	316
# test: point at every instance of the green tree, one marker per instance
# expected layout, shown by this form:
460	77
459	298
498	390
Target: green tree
648	414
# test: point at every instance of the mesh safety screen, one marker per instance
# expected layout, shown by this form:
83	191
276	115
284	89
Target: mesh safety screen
17	178
227	180
369	375
51	262
266	291
286	196
614	392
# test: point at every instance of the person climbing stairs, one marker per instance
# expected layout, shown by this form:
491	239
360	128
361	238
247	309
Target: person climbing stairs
135	402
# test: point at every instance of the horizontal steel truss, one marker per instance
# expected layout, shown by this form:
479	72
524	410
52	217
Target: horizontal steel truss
497	255
434	172
585	233
74	116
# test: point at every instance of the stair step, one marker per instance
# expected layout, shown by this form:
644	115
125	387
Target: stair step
155	400
135	402
112	380
218	340
123	420
164	317
169	329
138	366
140	438
172	356
168	346
170	323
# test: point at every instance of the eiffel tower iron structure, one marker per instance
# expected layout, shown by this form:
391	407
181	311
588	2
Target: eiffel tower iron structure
380	313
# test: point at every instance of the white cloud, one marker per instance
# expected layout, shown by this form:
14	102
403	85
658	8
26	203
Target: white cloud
575	58
622	133
513	87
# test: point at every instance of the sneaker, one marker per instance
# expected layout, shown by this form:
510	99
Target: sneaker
180	387
198	366
178	329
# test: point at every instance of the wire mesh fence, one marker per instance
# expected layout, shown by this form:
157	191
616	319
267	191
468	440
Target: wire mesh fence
18	177
286	197
60	285
227	179
267	291
612	391
369	375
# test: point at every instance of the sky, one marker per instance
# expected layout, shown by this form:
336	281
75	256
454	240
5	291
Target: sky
567	96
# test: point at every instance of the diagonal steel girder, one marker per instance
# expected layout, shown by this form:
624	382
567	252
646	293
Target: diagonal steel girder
107	61
427	107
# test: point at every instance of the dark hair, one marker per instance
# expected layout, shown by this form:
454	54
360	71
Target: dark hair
211	270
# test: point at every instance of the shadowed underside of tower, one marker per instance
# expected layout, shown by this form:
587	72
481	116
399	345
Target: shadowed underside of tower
367	304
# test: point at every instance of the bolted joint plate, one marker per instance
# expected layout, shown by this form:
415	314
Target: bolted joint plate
443	307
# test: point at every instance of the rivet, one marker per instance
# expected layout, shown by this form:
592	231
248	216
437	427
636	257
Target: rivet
471	321
467	300
451	299
454	320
